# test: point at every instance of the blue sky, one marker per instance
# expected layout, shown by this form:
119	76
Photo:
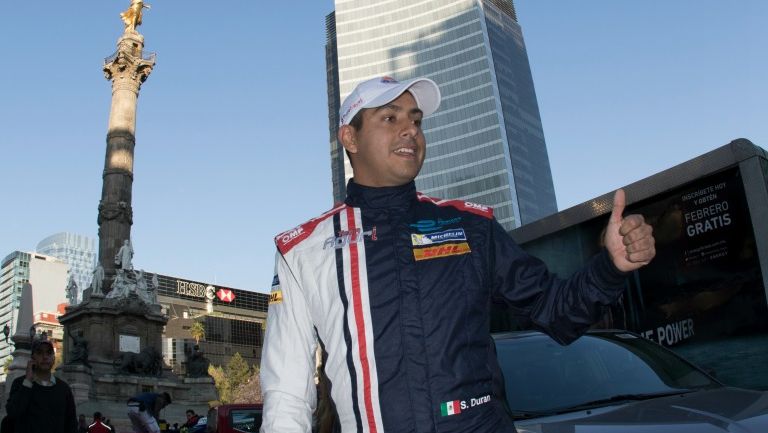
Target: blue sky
232	133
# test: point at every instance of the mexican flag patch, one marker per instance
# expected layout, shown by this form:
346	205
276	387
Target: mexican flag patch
450	408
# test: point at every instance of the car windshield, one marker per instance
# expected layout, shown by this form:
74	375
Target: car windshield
245	420
543	377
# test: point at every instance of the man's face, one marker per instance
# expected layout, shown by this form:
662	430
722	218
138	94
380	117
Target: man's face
389	148
43	357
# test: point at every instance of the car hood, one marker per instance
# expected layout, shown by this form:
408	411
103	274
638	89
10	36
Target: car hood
711	411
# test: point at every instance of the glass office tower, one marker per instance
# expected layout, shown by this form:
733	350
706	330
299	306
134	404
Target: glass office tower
78	251
486	143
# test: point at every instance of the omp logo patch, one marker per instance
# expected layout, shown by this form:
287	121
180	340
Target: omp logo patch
436	238
276	297
443	250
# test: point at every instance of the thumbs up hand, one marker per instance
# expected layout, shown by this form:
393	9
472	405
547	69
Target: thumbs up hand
629	240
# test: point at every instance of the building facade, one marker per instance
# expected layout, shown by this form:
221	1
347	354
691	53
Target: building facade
48	277
486	143
234	321
78	251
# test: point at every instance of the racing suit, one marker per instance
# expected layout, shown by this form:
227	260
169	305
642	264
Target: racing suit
397	287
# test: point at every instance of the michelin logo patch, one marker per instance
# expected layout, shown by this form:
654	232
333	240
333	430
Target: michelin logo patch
419	239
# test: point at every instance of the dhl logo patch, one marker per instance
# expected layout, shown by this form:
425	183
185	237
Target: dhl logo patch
438	251
276	297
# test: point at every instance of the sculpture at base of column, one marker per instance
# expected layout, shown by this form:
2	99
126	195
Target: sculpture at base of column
134	283
98	281
79	354
198	364
124	256
72	291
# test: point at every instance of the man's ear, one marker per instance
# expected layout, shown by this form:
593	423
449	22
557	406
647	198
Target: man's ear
348	138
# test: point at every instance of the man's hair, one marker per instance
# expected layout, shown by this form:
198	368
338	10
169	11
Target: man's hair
357	124
357	121
166	397
191	411
97	416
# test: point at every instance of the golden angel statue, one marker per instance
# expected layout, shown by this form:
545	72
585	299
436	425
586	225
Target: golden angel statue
132	16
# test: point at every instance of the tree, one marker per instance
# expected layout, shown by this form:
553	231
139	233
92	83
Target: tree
198	331
231	379
220	381
250	391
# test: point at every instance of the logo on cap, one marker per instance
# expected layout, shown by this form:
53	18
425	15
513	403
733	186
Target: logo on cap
388	80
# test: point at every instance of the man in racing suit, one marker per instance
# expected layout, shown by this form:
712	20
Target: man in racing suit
397	288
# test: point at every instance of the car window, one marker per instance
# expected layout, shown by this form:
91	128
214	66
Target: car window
543	376
245	420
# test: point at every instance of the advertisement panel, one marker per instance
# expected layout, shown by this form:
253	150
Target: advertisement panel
705	281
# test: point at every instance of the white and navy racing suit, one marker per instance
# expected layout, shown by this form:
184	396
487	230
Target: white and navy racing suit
397	287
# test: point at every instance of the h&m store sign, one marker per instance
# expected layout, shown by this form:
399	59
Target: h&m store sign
209	292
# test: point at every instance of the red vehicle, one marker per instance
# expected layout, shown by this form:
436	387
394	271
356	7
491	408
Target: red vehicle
234	418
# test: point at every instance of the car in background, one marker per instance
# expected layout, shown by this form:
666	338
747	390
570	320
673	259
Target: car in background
616	381
234	418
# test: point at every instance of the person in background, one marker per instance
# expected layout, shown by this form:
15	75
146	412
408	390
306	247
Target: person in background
192	419
144	411
82	426
39	402
98	425
108	422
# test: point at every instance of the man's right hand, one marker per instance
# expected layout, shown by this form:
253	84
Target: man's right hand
30	370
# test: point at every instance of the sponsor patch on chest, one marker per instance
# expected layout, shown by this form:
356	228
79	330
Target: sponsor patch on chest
419	239
276	297
441	250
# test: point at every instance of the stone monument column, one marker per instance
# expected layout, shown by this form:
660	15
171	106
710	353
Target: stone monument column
127	68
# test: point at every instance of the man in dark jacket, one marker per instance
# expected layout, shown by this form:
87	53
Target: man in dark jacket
39	402
397	286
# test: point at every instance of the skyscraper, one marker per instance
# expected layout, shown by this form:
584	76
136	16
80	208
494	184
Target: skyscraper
486	143
48	277
78	251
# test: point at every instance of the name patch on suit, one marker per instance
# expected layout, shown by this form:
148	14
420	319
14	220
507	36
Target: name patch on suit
442	250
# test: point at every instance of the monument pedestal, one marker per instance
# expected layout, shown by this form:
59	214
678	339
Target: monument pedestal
112	351
102	333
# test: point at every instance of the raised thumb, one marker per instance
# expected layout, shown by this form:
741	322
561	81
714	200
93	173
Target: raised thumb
619	203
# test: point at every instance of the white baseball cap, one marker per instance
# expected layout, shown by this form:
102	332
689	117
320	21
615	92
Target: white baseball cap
383	90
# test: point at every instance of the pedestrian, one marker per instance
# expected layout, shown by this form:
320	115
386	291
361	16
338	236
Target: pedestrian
98	425
397	287
192	419
144	411
108	422
40	402
82	425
